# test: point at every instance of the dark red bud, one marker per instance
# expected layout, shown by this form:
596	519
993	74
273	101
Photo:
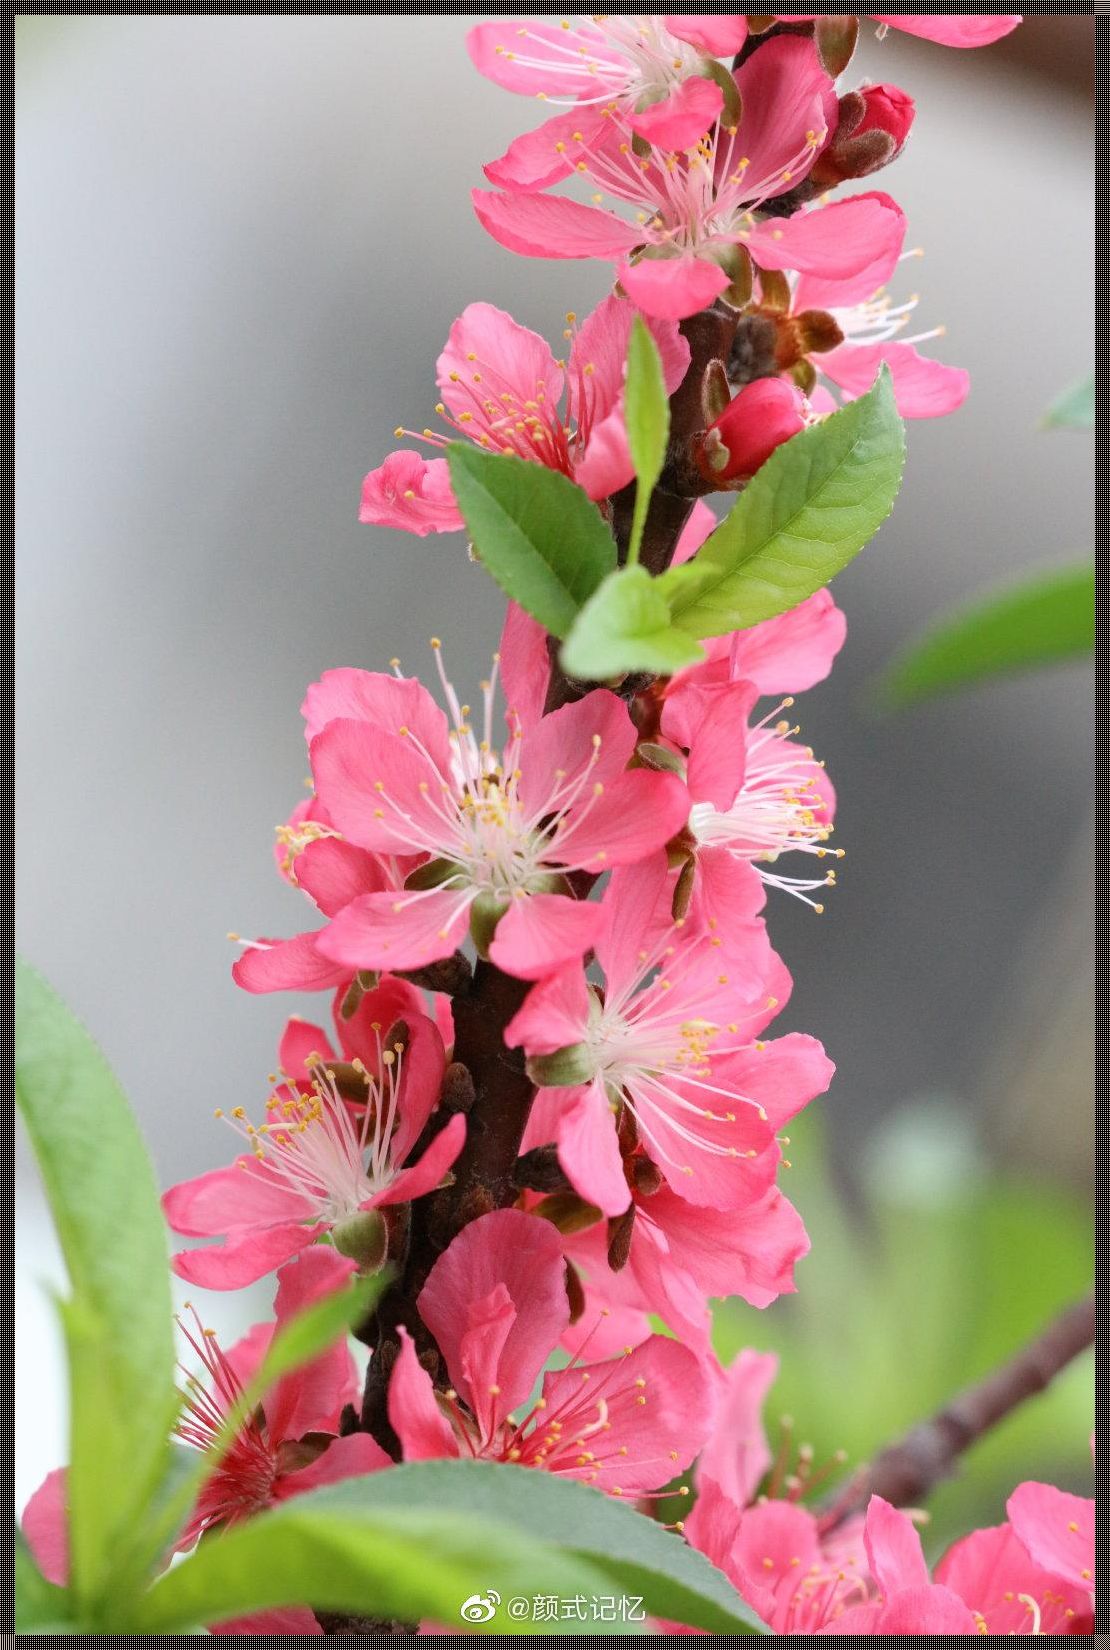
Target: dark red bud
757	420
890	110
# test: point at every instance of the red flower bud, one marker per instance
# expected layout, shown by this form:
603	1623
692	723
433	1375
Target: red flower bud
755	422
889	109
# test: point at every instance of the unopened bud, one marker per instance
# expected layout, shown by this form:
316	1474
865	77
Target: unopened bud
759	419
888	109
363	1238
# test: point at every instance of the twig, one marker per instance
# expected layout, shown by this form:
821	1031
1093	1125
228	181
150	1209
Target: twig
904	1473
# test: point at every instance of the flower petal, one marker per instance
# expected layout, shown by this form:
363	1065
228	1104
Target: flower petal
922	388
414	1415
246	1254
525	667
523	1255
893	1548
287	965
549	226
536	58
638	813
397	930
554	1014
1057	1530
546	155
379	788
542	933
682	117
838	240
670	289
736	1454
592	738
718	36
428	1171
244	1194
586	1140
792	652
412	493
389	703
349	1457
490	358
955	28
44	1524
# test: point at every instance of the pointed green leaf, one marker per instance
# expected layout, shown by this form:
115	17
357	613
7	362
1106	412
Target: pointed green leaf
625	626
1043	620
104	1200
1075	409
471	1525
647	416
537	533
809	510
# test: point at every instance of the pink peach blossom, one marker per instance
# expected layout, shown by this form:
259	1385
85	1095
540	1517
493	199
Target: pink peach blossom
496	831
321	1158
502	388
496	1304
670	1046
695	203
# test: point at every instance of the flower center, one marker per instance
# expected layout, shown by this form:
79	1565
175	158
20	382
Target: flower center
332	1151
244	1480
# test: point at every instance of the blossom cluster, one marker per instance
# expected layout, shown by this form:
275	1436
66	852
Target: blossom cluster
610	854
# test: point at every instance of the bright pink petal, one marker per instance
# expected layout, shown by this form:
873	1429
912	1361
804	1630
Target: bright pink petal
544	932
428	1171
545	156
554	1014
244	1194
776	1544
837	240
702	522
636	911
792	652
378	788
893	1548
378	1010
682	117
489	356
401	930
586	1139
993	1574
718	36
730	895
955	28
816	291
916	1611
606	466
922	388
736	1454
400	705
750	1251
44	1523
713	724
287	965
525	667
1057	1530
246	1255
788	101
350	1457
311	1399
670	289
414	1415
559	755
480	1358
525	1256
638	813
536	57
783	1076
283	1622
299	1041
411	493
549	226
659	1402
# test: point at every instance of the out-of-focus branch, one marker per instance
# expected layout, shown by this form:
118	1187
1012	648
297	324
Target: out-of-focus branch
905	1472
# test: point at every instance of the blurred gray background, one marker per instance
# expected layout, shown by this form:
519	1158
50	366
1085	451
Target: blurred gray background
241	242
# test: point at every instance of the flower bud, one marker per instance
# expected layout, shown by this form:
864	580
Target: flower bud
363	1238
890	110
759	419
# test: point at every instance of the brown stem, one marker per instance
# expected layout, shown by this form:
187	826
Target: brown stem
904	1473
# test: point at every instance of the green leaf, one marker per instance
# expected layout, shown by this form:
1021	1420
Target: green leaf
536	532
809	510
626	625
104	1200
1075	409
39	1605
1043	620
647	416
423	1538
297	1343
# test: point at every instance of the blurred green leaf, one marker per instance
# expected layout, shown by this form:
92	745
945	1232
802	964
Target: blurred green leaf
425	1537
537	533
903	1302
1045	619
807	513
39	1605
104	1201
1075	409
647	416
625	626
